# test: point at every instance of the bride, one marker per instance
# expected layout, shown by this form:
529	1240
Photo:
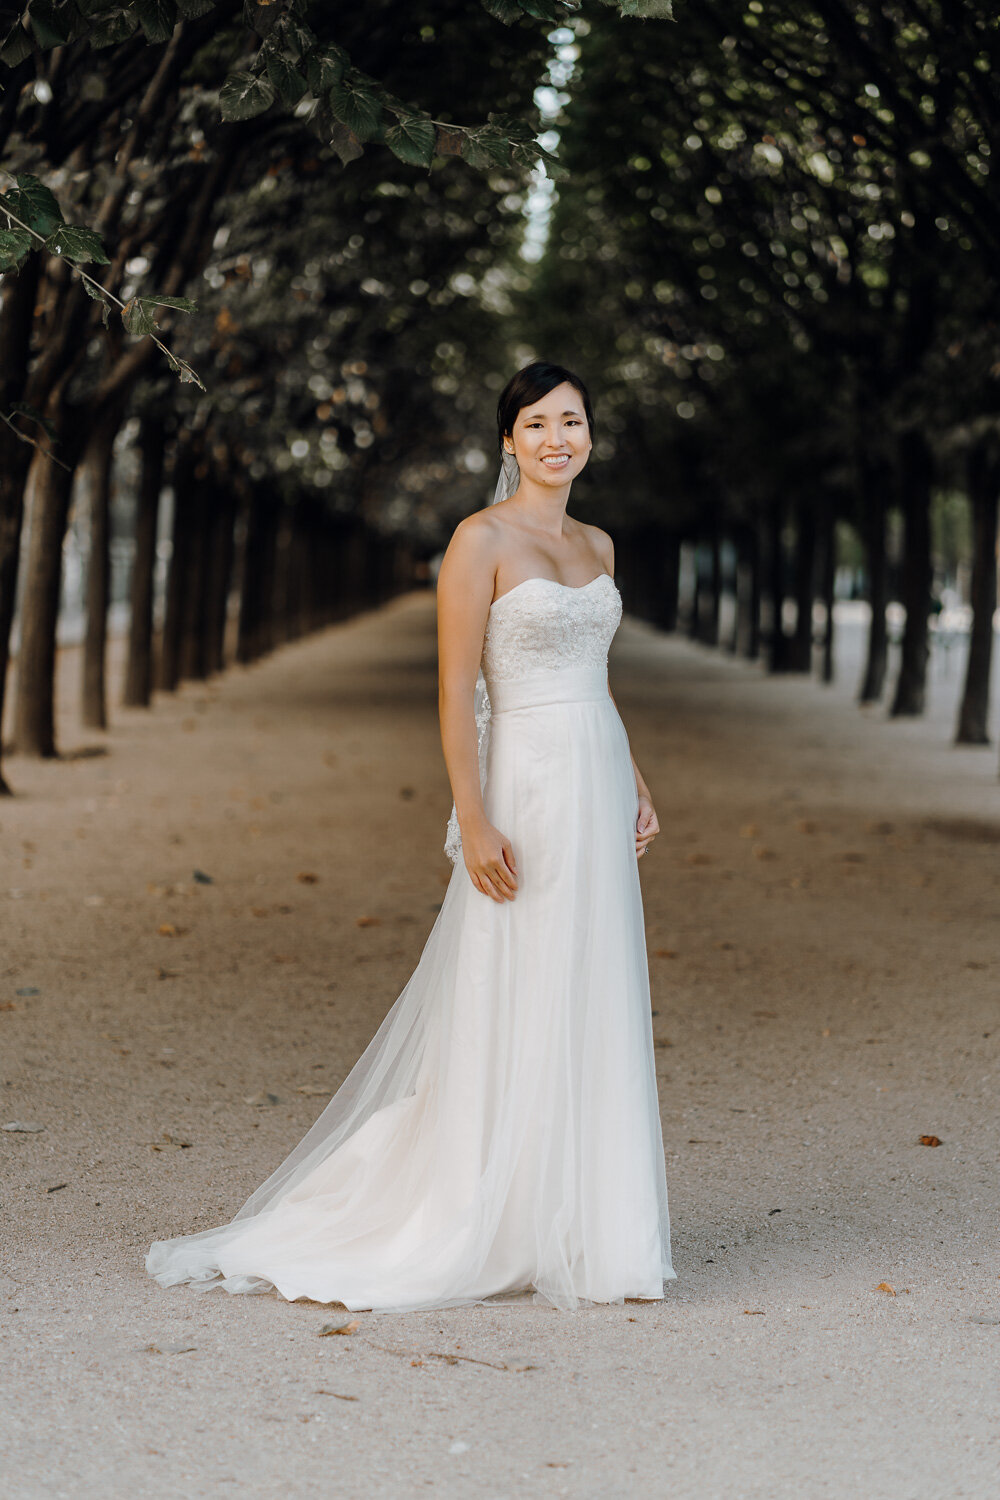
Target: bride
501	1131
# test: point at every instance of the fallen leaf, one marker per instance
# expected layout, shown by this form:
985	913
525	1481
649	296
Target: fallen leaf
338	1395
767	1015
760	852
749	831
260	911
167	974
662	1041
8	1005
201	878
329	1329
23	1127
665	952
698	859
725	945
930	1140
753	1312
169	1143
853	857
407	793
805	825
263	1098
167	929
367	921
306	877
313	1089
29	989
884	1286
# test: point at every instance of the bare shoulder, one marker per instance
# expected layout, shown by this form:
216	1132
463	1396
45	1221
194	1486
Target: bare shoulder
601	543
472	551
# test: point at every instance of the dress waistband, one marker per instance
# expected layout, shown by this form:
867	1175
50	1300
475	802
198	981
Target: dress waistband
563	685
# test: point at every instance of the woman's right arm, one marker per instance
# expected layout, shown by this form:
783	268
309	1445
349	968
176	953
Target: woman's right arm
464	592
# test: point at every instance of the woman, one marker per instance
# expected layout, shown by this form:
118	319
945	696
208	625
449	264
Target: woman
501	1131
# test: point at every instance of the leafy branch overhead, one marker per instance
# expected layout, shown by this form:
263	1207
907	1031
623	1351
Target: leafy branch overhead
293	69
34	221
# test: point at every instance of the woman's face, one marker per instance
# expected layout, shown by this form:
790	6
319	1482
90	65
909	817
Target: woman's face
550	438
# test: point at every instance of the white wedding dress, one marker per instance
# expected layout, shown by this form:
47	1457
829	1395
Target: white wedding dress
501	1132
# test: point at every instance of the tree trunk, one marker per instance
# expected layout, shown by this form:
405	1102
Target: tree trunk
218	578
710	628
182	483
874	513
94	482
256	625
973	717
800	646
17	302
192	664
751	636
50	488
778	642
916	476
828	578
665	601
139	670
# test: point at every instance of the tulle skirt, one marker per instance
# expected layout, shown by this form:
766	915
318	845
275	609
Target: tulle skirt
501	1131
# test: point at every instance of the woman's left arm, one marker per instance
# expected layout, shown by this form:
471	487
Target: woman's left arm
647	825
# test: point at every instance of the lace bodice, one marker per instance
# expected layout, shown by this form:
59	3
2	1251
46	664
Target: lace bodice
542	626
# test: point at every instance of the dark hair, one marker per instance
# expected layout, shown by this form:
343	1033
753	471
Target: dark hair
531	384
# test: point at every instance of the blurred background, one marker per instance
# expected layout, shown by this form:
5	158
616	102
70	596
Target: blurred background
766	235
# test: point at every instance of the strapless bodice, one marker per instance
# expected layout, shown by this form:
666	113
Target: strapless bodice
542	626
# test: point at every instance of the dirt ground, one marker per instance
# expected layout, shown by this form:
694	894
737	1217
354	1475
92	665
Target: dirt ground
822	919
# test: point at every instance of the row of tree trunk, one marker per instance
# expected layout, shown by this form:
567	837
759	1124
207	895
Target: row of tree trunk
767	572
239	557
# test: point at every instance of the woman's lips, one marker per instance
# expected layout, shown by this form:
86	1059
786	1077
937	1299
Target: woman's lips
556	461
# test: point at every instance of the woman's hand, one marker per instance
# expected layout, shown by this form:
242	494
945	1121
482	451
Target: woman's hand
490	862
647	825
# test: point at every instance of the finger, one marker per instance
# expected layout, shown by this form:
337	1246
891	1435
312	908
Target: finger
508	855
503	881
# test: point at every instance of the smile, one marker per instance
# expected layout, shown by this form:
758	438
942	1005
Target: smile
558	461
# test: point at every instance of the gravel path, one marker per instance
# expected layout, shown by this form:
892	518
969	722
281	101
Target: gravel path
822	917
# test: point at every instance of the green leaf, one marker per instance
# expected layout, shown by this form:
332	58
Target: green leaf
33	204
513	128
507	11
325	68
260	17
243	97
486	148
554	168
137	318
646	10
287	80
157	19
16	45
344	142
356	105
547	10
117	26
180	304
52	23
294	36
413	139
76	243
14	245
